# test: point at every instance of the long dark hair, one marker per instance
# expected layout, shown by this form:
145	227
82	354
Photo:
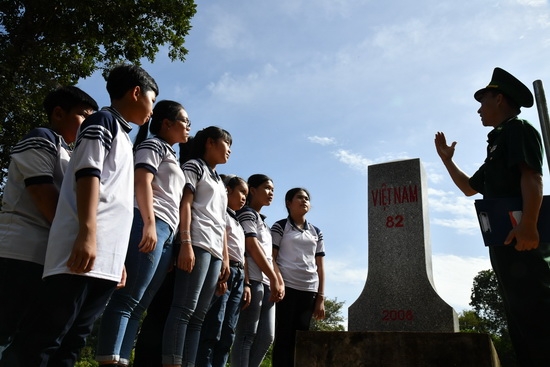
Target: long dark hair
232	181
256	180
198	146
164	109
185	150
291	193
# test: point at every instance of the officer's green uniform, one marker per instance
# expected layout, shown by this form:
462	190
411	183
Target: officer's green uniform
524	276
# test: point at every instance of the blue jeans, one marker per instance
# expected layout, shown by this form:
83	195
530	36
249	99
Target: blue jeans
192	296
57	324
145	273
218	329
19	284
255	329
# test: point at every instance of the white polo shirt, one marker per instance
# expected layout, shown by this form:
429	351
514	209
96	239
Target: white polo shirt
235	237
297	252
40	157
158	157
209	205
254	226
103	149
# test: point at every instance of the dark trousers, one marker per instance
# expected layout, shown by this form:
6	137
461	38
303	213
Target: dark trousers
19	284
524	277
148	350
59	321
293	313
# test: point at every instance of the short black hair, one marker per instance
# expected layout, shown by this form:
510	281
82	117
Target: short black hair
124	77
67	97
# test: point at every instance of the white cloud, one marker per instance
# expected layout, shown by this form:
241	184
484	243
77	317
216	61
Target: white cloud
397	39
353	160
454	275
328	8
451	202
360	163
243	89
227	32
435	177
532	3
341	273
321	140
458	211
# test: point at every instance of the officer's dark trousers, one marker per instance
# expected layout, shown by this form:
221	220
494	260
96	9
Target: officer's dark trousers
524	277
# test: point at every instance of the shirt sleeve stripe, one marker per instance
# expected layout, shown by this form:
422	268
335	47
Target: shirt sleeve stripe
38	180
35	143
148	167
154	145
96	132
85	172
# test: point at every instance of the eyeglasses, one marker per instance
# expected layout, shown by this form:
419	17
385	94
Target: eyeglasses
185	120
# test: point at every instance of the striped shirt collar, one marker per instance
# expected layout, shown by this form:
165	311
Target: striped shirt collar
170	148
306	225
122	121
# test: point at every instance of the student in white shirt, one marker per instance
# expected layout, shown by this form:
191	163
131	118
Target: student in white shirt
298	250
37	166
218	329
202	260
256	326
89	235
158	185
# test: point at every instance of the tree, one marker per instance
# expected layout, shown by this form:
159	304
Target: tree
470	322
487	302
57	42
333	320
488	315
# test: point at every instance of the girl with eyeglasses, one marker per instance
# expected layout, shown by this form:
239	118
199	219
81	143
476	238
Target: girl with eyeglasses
158	188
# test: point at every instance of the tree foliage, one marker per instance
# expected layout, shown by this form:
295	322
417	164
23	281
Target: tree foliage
487	302
488	315
57	42
333	320
470	322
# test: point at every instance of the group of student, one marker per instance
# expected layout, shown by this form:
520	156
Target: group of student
114	228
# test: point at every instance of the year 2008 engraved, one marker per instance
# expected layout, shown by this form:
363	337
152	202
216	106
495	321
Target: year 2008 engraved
397	315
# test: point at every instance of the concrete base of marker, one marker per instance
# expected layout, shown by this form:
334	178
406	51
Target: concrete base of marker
389	349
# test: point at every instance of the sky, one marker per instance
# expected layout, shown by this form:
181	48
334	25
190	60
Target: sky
313	92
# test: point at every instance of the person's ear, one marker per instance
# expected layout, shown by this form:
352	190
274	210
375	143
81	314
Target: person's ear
58	114
167	123
499	98
136	92
210	142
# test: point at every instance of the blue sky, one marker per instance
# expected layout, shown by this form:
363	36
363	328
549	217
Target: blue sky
315	91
